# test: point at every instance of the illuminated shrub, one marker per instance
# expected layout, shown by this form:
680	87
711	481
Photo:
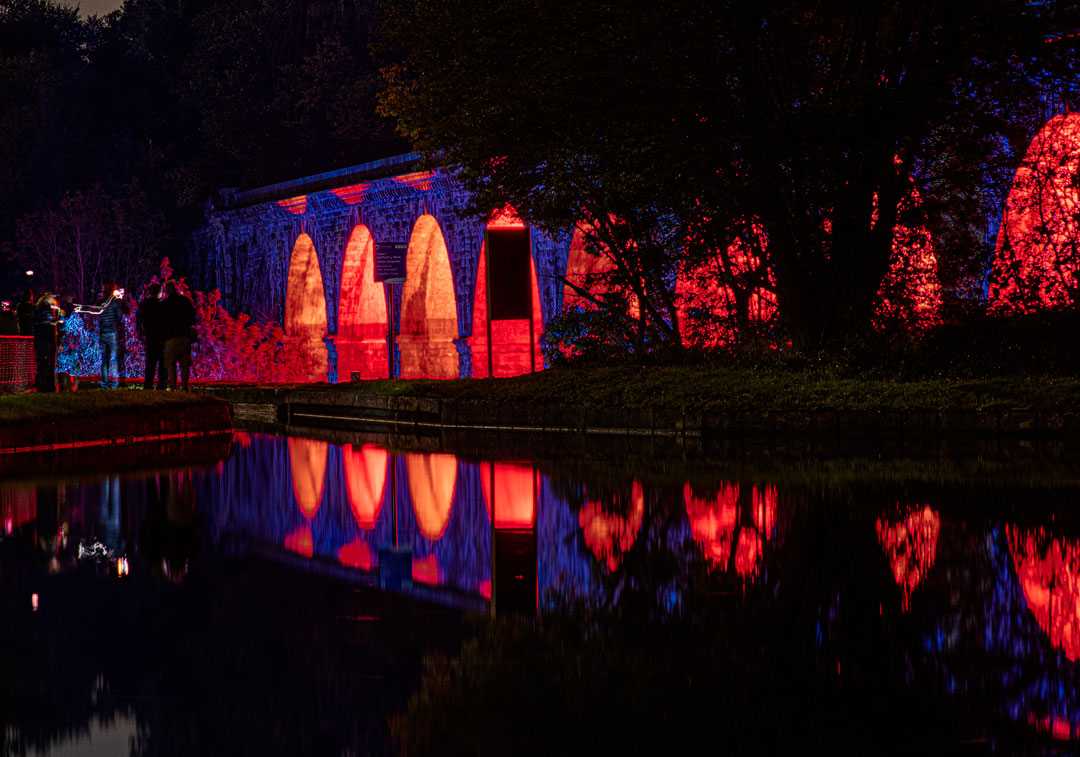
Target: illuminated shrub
1036	256
362	320
429	307
910	543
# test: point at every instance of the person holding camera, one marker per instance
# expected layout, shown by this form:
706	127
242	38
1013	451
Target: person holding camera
111	336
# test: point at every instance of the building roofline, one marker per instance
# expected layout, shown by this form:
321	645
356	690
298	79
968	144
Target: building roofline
230	199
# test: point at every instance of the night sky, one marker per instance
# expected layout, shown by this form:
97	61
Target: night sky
96	7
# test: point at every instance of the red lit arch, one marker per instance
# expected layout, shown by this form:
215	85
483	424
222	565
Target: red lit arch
307	461
365	482
516	489
1049	573
432	479
732	531
609	535
510	338
362	327
910	543
305	312
1036	259
428	307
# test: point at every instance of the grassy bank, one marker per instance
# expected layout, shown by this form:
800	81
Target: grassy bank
51	420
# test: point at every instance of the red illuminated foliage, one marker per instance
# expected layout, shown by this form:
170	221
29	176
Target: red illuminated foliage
307	461
1037	255
733	525
428	307
365	481
909	297
510	338
1049	573
611	528
362	321
305	309
516	489
910	543
432	480
590	275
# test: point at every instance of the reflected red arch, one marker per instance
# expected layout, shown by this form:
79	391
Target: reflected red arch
365	481
1035	258
357	554
432	480
910	543
307	462
362	322
516	489
1049	573
609	535
428	306
426	570
720	524
301	541
305	314
510	338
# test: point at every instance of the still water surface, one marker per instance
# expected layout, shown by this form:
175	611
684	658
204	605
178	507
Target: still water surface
282	599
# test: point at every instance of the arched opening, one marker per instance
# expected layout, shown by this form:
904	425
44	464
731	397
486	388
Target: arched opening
516	319
365	482
432	479
516	489
428	307
910	543
305	314
307	462
1036	260
732	525
362	331
611	527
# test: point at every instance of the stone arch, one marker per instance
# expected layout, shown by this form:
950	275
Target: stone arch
305	314
510	338
428	306
362	323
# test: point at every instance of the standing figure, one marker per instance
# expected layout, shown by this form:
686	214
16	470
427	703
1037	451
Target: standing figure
46	319
178	327
24	313
111	336
148	324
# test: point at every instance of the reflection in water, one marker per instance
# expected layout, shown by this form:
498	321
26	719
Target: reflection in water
307	459
426	570
611	525
18	506
432	478
365	478
515	493
1049	573
357	554
731	518
910	543
301	541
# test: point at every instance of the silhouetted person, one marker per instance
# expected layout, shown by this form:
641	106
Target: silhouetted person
46	322
25	314
178	328
148	324
9	323
111	336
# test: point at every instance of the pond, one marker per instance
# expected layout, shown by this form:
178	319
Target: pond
280	595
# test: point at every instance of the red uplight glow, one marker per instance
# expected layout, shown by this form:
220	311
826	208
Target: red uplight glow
610	535
295	205
305	310
910	543
428	307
